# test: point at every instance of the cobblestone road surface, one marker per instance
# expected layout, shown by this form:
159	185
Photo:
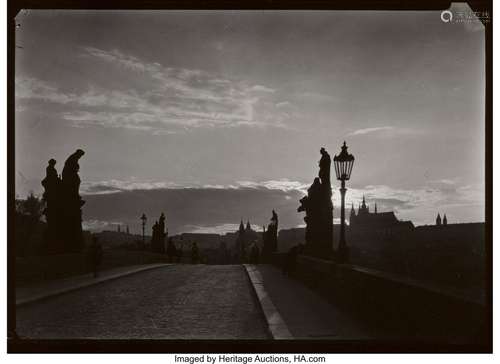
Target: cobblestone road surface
175	302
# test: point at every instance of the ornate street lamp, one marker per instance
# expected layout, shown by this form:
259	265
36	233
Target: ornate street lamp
343	167
144	219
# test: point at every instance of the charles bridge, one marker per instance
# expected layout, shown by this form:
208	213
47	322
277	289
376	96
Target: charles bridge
311	292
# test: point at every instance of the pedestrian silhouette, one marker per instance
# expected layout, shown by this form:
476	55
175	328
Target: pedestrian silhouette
95	256
179	254
195	254
255	254
291	261
171	250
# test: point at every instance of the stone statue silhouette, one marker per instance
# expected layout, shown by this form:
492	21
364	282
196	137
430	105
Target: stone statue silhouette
51	178
324	166
270	237
275	217
319	211
70	178
154	236
52	198
63	206
324	171
159	235
161	223
314	191
51	183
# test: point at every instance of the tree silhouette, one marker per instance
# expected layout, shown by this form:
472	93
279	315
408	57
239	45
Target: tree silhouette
29	213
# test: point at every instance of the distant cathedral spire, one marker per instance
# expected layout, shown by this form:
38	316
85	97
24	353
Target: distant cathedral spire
375	207
249	227
242	227
438	220
445	220
363	209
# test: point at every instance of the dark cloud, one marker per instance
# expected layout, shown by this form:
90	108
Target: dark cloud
188	207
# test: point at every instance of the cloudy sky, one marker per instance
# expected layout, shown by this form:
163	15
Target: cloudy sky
216	116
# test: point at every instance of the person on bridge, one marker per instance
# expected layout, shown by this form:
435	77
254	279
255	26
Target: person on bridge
255	254
95	256
195	254
171	250
291	260
178	253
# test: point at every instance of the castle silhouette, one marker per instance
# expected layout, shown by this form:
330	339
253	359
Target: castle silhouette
365	219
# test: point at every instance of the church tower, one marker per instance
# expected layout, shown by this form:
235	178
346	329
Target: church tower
438	220
375	207
445	220
353	215
364	209
249	227
241	243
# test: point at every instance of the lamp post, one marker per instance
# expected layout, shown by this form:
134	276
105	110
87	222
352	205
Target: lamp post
343	167
144	219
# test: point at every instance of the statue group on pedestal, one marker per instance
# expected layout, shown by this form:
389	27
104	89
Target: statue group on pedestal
270	237
159	235
319	211
63	211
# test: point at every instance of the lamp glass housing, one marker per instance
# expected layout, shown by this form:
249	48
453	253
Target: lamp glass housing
343	164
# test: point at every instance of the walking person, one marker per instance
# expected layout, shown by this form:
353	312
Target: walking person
171	250
179	253
291	261
95	256
195	254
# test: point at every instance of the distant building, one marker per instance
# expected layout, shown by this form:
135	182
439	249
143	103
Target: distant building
235	243
438	220
364	219
246	236
442	222
115	239
203	240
